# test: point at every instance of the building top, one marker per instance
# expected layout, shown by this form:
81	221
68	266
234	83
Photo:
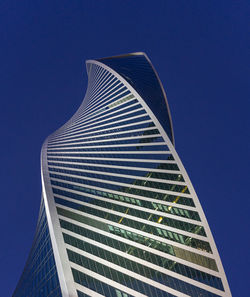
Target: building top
138	71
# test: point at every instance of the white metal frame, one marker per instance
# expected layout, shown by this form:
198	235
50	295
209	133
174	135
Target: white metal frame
59	248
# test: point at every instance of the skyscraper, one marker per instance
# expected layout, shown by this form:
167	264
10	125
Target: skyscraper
119	215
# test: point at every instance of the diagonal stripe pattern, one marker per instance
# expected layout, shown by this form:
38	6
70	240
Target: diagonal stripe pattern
123	216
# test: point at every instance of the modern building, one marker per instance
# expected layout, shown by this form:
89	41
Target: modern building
119	216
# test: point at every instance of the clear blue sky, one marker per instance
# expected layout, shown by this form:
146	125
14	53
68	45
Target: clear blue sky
199	49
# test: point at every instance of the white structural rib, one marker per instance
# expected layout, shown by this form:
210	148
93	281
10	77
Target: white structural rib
87	291
143	178
131	196
146	222
114	129
125	271
86	138
140	246
143	233
123	185
137	169
145	210
137	260
106	280
79	136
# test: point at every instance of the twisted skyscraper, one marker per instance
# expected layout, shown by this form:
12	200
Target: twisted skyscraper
119	215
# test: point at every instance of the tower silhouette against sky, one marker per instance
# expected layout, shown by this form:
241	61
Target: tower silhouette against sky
119	216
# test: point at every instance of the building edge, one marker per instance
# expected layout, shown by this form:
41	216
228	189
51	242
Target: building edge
61	259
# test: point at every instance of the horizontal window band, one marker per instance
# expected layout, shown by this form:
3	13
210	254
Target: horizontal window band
95	281
163	219
134	244
150	140
136	156
86	292
138	119
142	195
128	180
96	79
102	132
142	259
89	112
106	82
110	86
141	205
120	196
107	97
152	241
100	75
145	176
104	90
78	118
154	139
134	114
152	172
106	119
117	146
107	113
172	228
112	272
106	268
99	101
111	135
99	98
184	238
124	187
96	160
114	104
108	110
164	168
148	124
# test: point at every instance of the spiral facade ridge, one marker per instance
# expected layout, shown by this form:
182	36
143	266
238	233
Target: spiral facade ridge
119	215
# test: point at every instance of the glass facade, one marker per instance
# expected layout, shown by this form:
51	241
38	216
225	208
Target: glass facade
40	277
132	68
125	216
